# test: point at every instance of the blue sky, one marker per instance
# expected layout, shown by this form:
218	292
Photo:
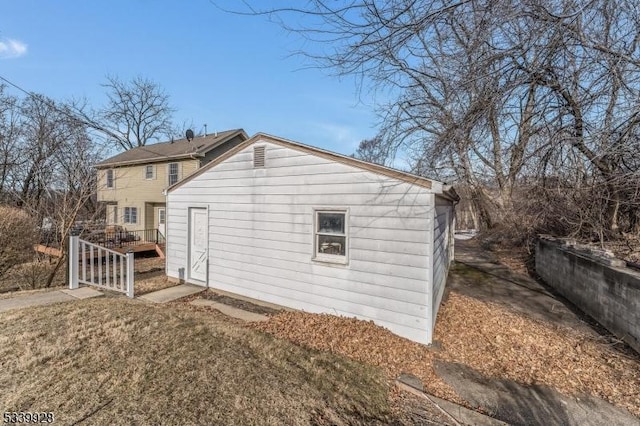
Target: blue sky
224	70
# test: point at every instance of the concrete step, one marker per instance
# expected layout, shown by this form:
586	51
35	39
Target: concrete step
172	293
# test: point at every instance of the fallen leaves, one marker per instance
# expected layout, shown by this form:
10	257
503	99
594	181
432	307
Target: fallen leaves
490	338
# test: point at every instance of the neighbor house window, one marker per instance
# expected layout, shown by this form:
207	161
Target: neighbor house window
331	235
148	172
130	215
114	215
173	173
110	178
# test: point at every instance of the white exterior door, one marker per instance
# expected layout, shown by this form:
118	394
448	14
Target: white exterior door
162	221
198	242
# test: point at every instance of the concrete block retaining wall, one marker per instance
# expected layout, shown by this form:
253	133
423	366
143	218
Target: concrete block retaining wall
602	287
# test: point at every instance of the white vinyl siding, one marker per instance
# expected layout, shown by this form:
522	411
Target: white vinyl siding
130	215
442	237
262	237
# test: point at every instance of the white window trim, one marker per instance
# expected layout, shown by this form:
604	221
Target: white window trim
113	179
169	174
331	258
153	172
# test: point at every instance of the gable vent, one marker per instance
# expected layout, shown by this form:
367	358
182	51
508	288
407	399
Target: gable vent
258	156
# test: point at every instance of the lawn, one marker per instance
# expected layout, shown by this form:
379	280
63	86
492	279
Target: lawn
117	361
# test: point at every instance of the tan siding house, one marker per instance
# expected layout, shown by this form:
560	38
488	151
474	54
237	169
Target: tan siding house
132	184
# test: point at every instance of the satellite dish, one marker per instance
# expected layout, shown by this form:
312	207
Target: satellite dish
189	135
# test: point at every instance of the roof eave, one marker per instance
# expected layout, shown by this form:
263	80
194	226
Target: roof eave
198	153
192	155
375	168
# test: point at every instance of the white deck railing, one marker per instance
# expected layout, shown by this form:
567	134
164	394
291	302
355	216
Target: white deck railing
99	266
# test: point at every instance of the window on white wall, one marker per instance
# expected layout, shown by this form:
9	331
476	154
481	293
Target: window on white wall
173	173
331	235
149	172
110	179
130	215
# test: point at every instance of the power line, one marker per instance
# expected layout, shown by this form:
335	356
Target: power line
77	118
44	99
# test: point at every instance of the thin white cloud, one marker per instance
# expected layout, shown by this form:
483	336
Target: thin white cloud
11	48
341	138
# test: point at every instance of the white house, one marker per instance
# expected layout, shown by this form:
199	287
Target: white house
309	229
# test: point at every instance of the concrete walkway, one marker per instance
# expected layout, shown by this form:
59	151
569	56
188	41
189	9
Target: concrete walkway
459	414
230	310
47	298
478	275
172	293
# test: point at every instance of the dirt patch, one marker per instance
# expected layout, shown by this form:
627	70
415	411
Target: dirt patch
146	265
231	301
150	275
487	337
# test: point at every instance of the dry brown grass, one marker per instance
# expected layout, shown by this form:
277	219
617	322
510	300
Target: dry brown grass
146	285
125	362
489	338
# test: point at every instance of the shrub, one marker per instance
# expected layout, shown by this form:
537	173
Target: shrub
18	234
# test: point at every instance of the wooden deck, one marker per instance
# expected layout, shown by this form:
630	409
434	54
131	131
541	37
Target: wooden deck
139	247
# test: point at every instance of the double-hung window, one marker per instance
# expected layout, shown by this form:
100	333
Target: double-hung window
110	177
148	172
130	215
331	236
173	173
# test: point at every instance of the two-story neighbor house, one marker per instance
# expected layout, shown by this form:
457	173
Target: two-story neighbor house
132	183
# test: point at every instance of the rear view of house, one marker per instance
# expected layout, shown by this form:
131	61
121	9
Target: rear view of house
132	183
294	225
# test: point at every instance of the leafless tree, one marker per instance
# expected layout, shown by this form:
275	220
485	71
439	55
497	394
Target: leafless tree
137	113
9	131
374	150
504	94
48	170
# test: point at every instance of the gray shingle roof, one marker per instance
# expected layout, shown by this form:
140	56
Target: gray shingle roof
178	149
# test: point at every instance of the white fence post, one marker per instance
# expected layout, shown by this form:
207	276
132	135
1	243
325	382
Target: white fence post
130	272
73	261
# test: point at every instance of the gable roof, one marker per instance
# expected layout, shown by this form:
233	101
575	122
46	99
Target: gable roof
179	149
447	191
